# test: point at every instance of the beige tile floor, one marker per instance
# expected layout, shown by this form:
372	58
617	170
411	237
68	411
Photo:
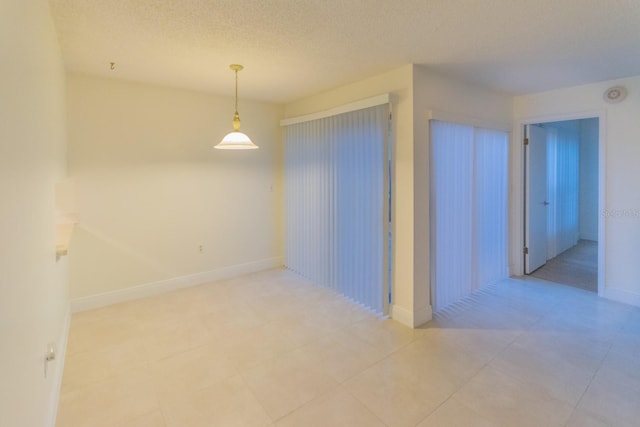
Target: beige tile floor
271	349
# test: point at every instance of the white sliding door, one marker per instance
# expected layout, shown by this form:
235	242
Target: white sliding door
468	210
336	203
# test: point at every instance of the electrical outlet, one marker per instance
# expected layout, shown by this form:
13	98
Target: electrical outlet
201	248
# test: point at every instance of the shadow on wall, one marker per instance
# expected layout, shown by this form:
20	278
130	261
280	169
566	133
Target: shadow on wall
96	259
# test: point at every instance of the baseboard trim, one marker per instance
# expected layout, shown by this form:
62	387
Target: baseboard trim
413	319
589	236
621	295
59	360
163	286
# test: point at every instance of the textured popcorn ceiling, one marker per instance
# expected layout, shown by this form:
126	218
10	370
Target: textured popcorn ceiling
295	48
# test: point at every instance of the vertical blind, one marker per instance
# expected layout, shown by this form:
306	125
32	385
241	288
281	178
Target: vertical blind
491	211
336	203
562	190
468	210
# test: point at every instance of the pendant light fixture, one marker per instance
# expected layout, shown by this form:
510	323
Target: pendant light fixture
236	140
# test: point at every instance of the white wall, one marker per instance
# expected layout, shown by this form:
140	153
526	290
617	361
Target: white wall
588	196
620	128
33	287
150	189
417	90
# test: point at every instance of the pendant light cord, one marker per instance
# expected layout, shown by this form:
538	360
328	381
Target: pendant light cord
236	91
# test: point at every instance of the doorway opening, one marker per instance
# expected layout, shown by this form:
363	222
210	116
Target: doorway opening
561	224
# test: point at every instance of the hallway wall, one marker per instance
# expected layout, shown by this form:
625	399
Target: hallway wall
588	196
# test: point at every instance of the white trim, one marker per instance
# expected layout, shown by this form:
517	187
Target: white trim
516	239
444	116
59	360
353	106
602	201
160	287
620	295
589	236
562	117
412	319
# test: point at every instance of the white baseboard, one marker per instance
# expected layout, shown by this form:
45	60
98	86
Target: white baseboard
620	295
162	286
59	360
413	319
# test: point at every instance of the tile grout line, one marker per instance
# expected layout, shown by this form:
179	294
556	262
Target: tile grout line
595	373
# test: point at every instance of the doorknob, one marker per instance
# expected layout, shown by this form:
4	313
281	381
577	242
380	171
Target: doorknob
545	203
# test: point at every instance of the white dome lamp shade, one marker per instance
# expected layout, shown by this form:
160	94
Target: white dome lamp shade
236	140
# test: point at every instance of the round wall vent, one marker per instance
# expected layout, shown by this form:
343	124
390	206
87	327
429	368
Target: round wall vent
615	94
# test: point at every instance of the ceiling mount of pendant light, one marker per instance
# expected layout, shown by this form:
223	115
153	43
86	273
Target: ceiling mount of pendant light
236	140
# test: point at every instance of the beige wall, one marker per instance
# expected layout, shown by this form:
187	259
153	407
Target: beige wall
417	90
150	189
621	129
33	287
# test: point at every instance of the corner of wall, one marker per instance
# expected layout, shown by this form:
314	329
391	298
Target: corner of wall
411	318
155	288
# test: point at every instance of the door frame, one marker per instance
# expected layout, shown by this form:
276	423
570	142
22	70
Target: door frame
517	226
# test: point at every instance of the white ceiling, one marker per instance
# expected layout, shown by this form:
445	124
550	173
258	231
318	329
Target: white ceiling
294	48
